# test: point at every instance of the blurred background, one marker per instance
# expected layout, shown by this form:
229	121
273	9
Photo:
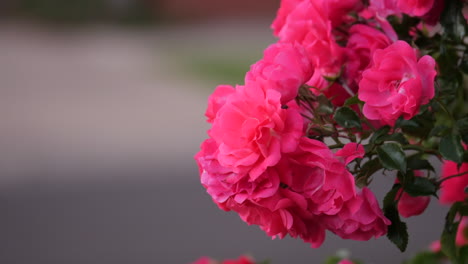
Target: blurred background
101	112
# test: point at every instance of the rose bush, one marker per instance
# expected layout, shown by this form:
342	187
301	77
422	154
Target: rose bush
352	90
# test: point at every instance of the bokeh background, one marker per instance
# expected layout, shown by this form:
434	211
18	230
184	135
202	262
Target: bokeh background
101	112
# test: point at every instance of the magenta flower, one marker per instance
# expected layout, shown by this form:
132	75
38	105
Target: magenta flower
309	25
361	218
397	83
252	129
285	67
362	43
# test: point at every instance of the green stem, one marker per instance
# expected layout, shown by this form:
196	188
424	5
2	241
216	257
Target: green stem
453	176
422	149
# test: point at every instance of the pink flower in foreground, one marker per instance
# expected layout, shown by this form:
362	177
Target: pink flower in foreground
411	206
397	83
217	99
222	183
345	261
453	190
252	130
285	67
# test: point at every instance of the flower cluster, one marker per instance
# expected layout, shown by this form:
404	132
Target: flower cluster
347	90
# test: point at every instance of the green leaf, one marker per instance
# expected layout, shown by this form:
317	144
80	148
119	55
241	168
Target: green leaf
416	163
376	138
397	231
347	118
392	157
450	148
439	131
421	186
369	168
419	126
352	101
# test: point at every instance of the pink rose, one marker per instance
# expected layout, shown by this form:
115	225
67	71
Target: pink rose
360	219
453	190
286	7
396	84
308	191
337	11
252	130
411	206
222	183
217	99
362	43
345	261
285	67
316	173
309	25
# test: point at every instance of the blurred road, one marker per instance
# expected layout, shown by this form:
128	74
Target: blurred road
98	130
